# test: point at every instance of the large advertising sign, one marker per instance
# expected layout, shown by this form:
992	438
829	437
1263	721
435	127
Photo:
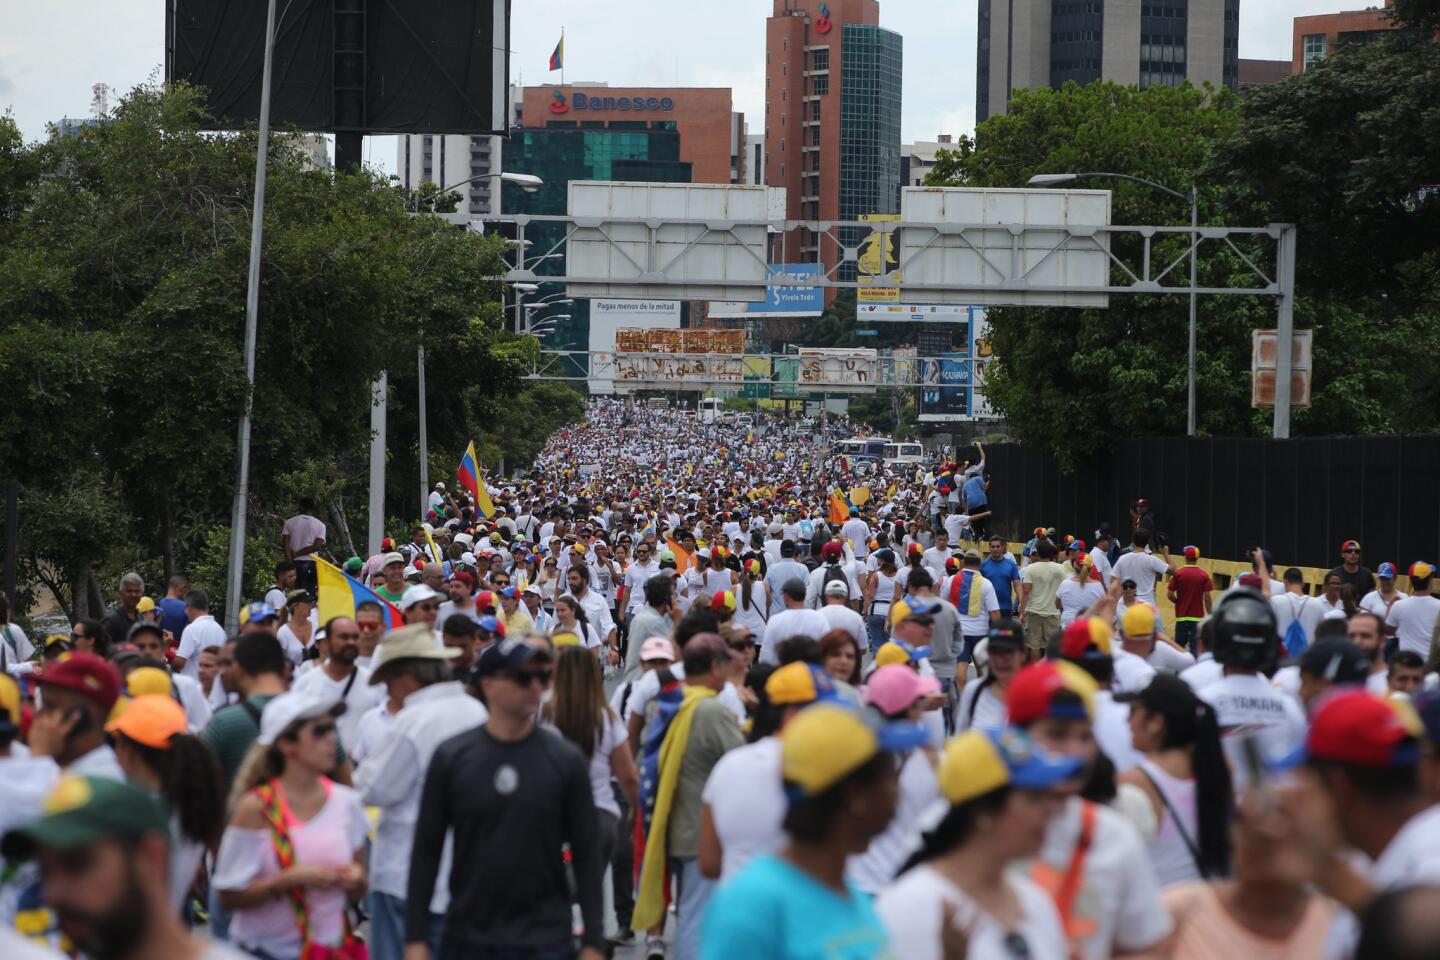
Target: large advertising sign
779	301
912	313
608	317
879	263
951	384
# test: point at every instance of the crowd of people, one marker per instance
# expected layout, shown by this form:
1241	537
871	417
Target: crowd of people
709	690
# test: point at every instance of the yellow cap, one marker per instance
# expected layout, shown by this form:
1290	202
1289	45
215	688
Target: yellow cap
979	761
145	605
890	653
565	639
10	697
824	744
144	681
1139	620
799	682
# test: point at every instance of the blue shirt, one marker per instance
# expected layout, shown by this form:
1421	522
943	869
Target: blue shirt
1001	574
172	615
772	910
975	495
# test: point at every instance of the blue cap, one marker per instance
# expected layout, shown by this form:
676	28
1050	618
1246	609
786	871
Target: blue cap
507	656
256	612
1386	571
921	606
490	624
509	593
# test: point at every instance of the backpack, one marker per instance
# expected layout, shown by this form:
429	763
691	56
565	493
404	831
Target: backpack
1295	640
834	572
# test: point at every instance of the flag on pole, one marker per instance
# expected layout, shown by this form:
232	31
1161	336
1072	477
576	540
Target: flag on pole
340	594
682	556
434	549
468	476
557	59
839	507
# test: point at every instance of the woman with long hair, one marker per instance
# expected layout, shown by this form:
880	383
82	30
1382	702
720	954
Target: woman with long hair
570	617
882	587
548	581
578	710
840	658
1180	794
295	846
914	557
719	577
1080	590
156	751
1001	789
752	598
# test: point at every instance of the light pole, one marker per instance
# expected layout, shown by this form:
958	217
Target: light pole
525	181
1055	179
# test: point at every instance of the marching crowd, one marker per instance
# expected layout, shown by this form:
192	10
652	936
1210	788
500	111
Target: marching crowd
706	690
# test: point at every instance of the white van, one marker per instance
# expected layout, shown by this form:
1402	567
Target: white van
862	448
709	410
899	454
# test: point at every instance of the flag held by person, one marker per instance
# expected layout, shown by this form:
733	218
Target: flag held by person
339	595
839	507
468	476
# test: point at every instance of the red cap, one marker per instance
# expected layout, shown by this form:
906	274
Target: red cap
915	550
87	675
1083	634
485	600
1356	727
1350	545
465	577
1032	692
831	550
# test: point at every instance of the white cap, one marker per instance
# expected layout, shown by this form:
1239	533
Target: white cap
439	484
468	558
837	588
464	538
416	594
287	708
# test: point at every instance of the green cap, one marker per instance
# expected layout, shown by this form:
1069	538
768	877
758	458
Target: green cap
82	810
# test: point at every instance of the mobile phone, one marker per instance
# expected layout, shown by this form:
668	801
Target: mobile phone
82	723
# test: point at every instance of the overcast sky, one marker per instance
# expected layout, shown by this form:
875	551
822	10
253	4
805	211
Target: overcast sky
52	51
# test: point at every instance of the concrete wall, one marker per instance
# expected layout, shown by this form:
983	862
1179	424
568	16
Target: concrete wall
1121	59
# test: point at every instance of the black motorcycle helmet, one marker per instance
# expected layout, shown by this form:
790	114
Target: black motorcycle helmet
1245	634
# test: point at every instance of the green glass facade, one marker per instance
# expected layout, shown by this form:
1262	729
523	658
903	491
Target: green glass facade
873	58
562	152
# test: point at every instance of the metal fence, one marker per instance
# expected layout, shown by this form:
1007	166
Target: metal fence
1298	498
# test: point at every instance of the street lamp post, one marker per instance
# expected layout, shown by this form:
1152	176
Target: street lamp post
1055	179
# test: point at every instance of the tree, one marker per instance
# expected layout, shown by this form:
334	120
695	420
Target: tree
123	257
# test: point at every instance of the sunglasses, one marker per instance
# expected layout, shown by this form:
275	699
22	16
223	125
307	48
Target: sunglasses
1351	550
322	730
500	583
346	636
526	677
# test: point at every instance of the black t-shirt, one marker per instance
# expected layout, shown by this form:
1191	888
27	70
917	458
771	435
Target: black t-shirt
511	806
1362	581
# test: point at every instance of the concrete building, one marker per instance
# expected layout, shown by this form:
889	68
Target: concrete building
1262	73
448	160
832	117
918	159
712	135
1315	38
1044	43
754	158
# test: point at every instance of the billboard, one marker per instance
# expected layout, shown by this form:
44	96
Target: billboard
702	340
608	317
779	301
951	384
879	263
678	370
912	313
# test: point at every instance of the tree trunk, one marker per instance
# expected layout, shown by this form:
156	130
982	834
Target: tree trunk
97	596
81	596
337	513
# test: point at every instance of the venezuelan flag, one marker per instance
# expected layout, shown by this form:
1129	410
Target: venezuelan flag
839	507
557	59
340	594
468	476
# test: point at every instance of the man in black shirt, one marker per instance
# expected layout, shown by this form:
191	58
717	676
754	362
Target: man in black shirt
1351	572
514	795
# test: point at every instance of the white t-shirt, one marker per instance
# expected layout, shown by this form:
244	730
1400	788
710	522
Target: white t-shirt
911	910
606	741
875	869
857	531
841	617
1374	603
1119	898
791	623
976	626
1412	858
1290	606
1143	568
1247	703
1132	674
359	699
1075	597
1101	561
303	530
747	802
1414	621
988	711
1166	658
199	634
934	561
1205	672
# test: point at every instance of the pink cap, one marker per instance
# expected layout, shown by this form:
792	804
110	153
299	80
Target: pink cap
657	648
894	688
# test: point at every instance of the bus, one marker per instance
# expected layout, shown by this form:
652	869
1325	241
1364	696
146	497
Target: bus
709	410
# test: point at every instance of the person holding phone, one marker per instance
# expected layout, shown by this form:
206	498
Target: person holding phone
76	696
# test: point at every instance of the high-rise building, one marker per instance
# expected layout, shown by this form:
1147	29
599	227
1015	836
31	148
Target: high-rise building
918	159
1044	43
832	116
448	161
1315	38
754	158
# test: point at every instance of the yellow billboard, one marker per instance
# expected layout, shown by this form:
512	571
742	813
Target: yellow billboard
879	263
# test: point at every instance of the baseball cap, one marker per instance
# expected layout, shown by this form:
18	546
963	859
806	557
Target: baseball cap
509	593
85	674
657	648
1192	553
82	810
894	688
392	557
1356	727
485	600
150	720
1032	692
800	682
289	708
1420	570
827	742
144	626
491	624
1335	659
414	641
145	605
419	593
972	555
1350	545
257	612
722	600
145	681
508	656
1386	571
912	606
897	651
952	564
837	588
1006	633
1139	620
1084	636
533	588
979	761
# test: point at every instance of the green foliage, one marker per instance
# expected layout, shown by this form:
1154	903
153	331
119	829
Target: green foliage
208	567
1422	15
123	259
